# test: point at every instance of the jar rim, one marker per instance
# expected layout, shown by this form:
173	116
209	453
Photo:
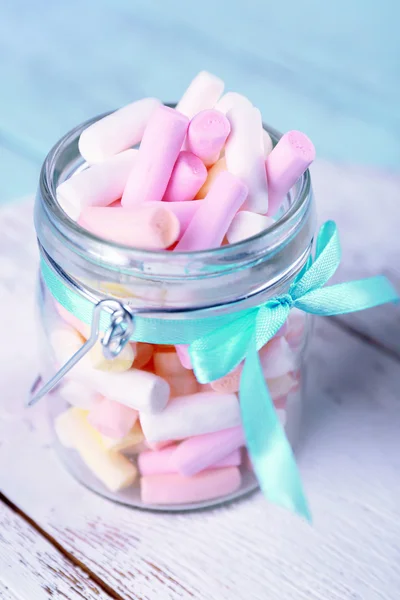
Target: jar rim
112	255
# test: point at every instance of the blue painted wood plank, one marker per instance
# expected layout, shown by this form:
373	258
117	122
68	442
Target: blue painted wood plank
330	69
18	175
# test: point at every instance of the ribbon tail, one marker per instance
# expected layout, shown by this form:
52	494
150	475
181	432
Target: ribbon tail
348	297
270	452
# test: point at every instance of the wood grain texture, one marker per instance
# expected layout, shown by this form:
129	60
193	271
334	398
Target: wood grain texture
32	569
365	205
6	593
349	460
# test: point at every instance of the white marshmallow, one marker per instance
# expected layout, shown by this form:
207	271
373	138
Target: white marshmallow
245	224
244	155
202	93
78	394
277	358
118	131
281	386
230	100
113	469
196	414
268	143
137	389
98	185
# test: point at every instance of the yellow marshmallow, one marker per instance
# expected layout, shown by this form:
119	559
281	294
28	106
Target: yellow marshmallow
113	469
120	363
215	170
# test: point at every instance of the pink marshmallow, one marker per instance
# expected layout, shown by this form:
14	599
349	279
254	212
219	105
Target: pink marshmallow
153	463
151	225
207	134
184	356
188	175
159	149
211	221
176	489
185	212
287	162
203	451
112	419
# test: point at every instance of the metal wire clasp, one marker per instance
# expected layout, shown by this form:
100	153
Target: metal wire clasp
114	340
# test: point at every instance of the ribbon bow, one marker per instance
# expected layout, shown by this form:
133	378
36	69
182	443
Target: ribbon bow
219	344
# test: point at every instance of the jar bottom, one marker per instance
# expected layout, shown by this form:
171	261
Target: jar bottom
131	496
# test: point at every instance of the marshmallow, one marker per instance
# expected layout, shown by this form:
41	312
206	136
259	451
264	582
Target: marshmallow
159	149
207	134
185	212
159	445
144	353
244	155
281	386
129	443
153	463
120	363
99	185
175	489
78	394
183	354
152	225
118	131
229	383
203	92
276	358
135	388
112	419
211	221
245	224
114	470
290	158
188	175
202	452
268	144
215	170
196	414
231	100
167	363
182	385
181	381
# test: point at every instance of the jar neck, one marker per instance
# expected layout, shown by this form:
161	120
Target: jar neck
256	269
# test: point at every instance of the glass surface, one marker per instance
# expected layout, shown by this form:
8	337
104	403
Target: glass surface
226	279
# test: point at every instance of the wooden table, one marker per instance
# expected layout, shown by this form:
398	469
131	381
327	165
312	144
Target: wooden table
58	540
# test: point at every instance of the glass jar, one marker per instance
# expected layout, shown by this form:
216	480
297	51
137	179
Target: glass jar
138	459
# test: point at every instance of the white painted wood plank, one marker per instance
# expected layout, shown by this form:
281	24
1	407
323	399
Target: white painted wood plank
6	593
32	569
365	203
19	174
349	460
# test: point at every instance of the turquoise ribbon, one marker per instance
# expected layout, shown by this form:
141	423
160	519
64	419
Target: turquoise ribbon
218	344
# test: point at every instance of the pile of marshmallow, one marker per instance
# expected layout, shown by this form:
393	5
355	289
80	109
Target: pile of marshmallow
205	174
